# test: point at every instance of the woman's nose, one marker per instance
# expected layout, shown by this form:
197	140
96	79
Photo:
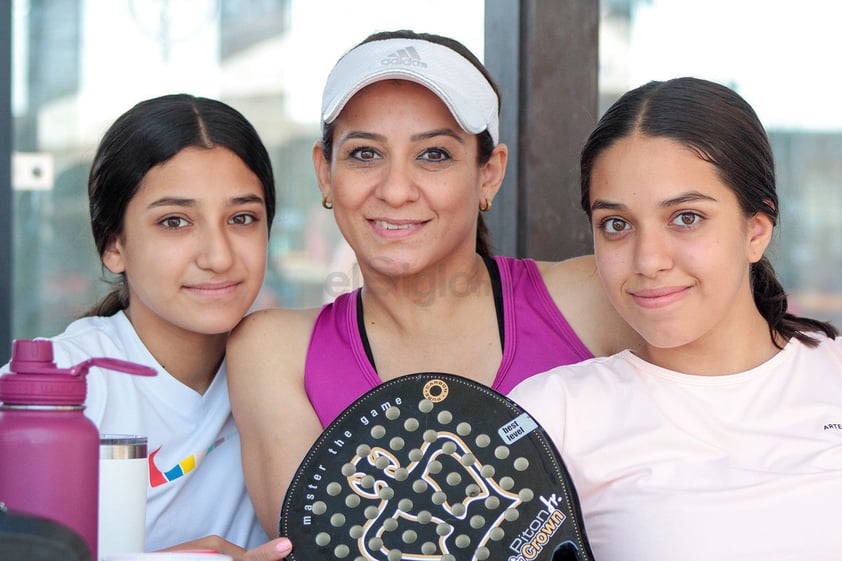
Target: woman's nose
653	251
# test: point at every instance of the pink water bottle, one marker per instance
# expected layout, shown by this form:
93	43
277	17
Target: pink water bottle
49	450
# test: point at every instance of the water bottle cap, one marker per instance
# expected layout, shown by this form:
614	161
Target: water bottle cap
34	378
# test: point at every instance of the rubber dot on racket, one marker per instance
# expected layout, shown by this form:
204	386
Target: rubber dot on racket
430	435
419	486
371	512
453	478
411	424
459	509
409	536
526	494
425	406
497	534
511	514
462	541
352	500
405	505
477	521
483	440
397	443
363	450
438	498
378	431
333	488
341	551
374	544
393	413
472	490
429	548
337	520
501	452
386	493
492	503
507	483
356	531
434	467
468	459
487	471
448	447
424	517
444	529
390	524
521	464
395	555
444	417
319	507
463	429
482	553
415	455
382	462
322	538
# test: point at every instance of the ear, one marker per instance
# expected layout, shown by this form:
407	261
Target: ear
114	256
493	172
760	230
322	168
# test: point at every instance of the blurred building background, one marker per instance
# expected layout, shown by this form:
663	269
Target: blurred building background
75	65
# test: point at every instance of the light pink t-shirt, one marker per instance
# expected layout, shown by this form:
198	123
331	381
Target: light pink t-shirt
670	466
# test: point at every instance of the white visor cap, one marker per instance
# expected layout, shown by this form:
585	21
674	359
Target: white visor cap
449	75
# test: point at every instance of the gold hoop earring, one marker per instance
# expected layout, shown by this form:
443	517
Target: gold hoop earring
327	204
486	207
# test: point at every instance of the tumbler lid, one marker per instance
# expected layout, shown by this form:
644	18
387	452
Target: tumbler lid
34	378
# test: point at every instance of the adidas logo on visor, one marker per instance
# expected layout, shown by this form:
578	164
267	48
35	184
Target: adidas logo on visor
404	57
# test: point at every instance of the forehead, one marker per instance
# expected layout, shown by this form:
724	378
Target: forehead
655	168
381	97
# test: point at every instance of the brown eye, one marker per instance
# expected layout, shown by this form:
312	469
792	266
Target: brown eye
614	225
686	219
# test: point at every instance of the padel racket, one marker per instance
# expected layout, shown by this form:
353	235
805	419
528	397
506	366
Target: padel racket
429	467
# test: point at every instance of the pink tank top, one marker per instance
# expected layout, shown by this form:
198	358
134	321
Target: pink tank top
537	338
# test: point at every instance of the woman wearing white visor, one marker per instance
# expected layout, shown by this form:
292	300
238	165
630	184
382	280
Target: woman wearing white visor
410	158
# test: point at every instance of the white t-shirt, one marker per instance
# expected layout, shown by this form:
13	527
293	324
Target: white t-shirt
672	466
196	485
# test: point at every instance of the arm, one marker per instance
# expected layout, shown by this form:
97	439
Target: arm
277	424
577	290
274	550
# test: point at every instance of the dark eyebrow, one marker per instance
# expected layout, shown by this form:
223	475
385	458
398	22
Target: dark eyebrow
438	132
688	197
420	136
364	136
183	202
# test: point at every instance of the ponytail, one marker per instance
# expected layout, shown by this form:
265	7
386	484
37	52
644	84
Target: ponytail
771	300
113	302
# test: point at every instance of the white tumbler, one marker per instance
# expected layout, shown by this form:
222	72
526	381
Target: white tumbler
123	476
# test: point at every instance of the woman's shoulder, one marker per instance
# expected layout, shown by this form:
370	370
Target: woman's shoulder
285	326
576	289
273	339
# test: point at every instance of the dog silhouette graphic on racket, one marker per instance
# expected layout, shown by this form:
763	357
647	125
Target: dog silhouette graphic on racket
451	504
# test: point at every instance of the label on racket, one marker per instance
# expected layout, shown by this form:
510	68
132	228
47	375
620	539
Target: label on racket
429	467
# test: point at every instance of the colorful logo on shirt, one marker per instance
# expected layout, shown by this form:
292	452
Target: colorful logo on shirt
185	466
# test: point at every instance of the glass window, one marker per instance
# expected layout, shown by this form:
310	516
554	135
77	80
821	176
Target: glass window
78	64
780	56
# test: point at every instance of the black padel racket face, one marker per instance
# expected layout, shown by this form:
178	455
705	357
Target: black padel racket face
433	467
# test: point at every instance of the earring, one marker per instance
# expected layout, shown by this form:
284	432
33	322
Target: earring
486	207
327	203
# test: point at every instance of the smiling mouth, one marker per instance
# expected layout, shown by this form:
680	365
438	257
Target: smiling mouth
389	226
657	298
